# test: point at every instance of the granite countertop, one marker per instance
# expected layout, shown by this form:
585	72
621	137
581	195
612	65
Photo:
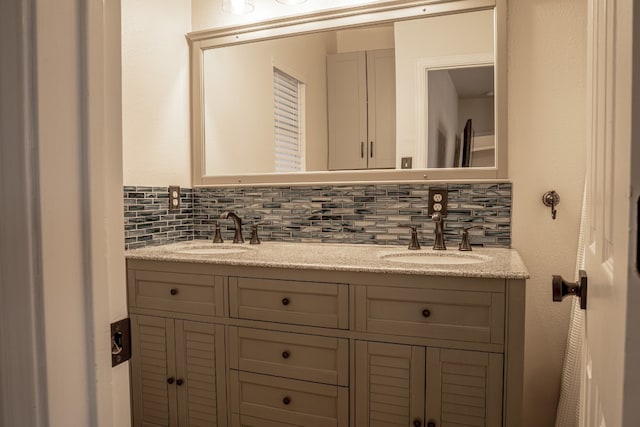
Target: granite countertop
482	263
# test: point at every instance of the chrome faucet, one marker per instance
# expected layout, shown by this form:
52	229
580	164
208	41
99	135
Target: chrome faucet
439	243
237	222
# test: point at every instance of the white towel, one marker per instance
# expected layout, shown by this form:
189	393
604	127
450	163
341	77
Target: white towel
568	414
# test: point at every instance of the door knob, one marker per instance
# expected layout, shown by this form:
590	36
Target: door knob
561	288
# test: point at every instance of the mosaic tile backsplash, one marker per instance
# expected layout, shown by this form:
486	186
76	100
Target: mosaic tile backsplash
147	220
368	213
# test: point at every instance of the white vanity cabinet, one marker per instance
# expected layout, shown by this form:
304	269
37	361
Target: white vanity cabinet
319	347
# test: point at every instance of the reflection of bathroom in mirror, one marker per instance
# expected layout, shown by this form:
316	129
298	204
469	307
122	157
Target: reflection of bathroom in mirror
251	121
461	117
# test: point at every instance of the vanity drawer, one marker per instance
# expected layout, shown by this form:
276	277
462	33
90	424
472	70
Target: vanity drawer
297	356
431	313
177	292
287	301
288	401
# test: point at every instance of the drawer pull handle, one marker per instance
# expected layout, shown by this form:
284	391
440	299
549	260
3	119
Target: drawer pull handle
285	301
286	400
173	291
426	313
417	422
170	380
285	354
431	424
179	381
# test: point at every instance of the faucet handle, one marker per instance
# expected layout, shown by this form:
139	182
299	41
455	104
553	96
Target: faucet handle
255	239
218	237
415	243
465	244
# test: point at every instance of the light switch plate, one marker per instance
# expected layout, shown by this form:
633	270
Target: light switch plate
438	200
174	198
406	162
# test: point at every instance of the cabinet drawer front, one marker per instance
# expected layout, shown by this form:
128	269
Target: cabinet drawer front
289	401
177	292
302	357
432	313
288	301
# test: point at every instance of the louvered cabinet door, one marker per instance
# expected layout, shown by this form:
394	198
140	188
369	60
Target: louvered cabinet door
152	371
464	388
200	374
390	384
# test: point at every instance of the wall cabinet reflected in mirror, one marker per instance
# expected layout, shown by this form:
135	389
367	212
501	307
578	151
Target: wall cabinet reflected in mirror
361	106
359	97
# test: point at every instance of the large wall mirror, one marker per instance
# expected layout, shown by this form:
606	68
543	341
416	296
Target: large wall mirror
396	91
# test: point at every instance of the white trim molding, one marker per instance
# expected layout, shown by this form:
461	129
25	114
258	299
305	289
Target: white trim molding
23	383
422	92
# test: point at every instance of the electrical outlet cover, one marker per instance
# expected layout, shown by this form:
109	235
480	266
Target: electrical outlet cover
438	198
174	198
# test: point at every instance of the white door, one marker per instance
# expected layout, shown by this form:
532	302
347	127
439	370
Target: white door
611	388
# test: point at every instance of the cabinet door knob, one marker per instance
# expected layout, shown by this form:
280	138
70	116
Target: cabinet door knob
417	422
431	424
285	354
170	380
286	400
173	291
179	381
426	313
285	301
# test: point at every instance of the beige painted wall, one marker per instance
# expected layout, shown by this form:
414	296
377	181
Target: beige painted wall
443	119
358	39
547	122
155	92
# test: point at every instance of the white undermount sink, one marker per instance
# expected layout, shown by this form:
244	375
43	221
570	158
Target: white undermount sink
433	258
212	250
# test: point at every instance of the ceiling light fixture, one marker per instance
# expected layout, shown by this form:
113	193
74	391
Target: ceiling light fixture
291	1
237	7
